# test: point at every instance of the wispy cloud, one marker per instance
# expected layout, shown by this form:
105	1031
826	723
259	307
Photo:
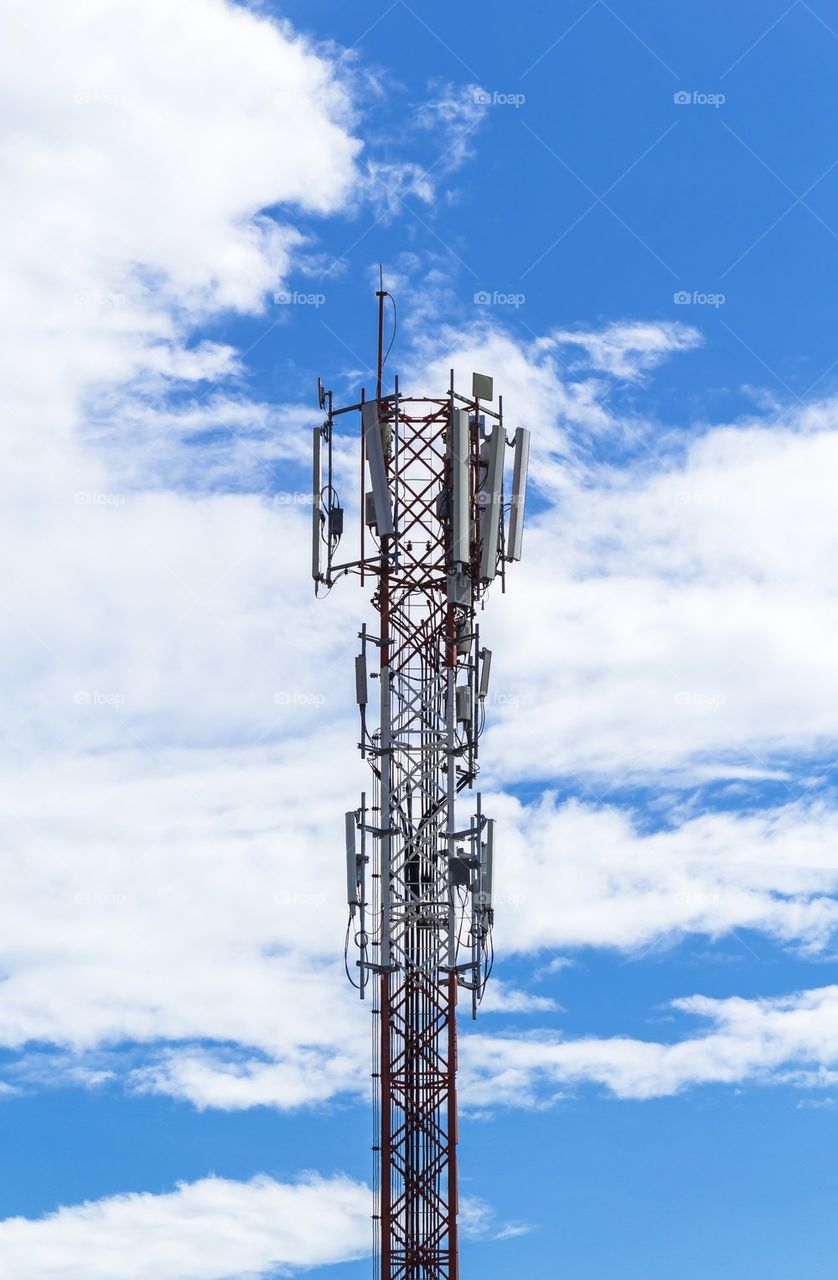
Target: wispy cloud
786	1040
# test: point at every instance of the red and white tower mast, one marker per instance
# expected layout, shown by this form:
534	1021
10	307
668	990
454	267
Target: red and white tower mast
437	527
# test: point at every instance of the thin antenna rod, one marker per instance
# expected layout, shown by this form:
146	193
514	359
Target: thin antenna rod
381	294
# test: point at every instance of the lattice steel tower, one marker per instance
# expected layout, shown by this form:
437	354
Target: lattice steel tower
436	528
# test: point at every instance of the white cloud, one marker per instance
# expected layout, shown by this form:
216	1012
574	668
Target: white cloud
162	864
556	965
578	874
390	183
181	898
478	1221
453	113
450	116
681	604
529	375
173	853
214	1229
303	1075
143	143
790	1039
141	147
502	998
242	444
630	349
201	907
690	606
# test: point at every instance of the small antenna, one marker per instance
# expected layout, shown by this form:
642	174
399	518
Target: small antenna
381	295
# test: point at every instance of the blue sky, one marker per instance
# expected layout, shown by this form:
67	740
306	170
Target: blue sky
694	190
200	202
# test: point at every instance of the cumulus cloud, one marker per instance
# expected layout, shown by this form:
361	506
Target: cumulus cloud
791	1039
205	889
215	1229
176	847
163	159
575	874
164	914
502	998
690	605
682	601
172	834
145	144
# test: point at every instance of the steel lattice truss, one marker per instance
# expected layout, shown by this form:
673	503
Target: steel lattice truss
417	997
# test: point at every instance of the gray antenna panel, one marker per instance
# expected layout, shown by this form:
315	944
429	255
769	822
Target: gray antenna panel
351	863
482	386
374	449
316	486
519	492
461	506
487	860
492	494
485	669
361	679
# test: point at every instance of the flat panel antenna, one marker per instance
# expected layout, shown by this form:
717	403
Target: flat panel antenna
490	508
519	493
316	489
483	387
460	454
374	447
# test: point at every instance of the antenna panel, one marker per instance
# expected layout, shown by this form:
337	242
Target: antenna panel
519	493
316	486
461	506
374	449
482	386
361	679
485	669
487	859
492	495
351	863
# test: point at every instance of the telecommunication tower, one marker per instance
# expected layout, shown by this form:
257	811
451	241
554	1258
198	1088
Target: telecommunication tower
437	526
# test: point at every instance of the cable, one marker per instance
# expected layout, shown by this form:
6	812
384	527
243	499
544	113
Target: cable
394	329
346	954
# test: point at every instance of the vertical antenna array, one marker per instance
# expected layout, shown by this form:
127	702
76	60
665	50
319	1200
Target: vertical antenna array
437	527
